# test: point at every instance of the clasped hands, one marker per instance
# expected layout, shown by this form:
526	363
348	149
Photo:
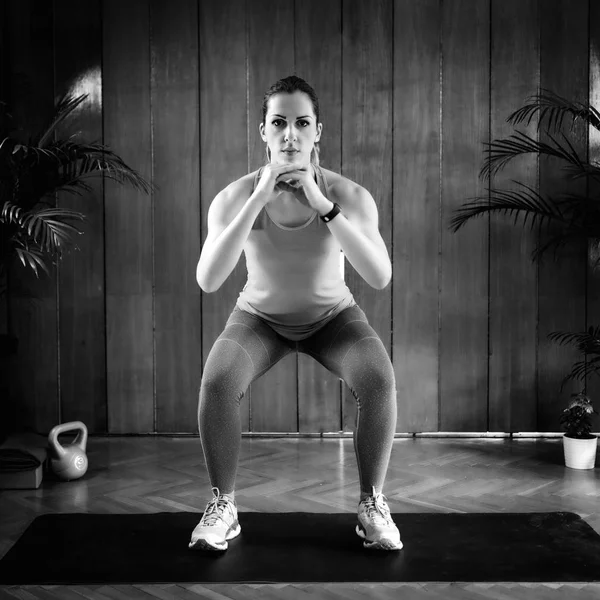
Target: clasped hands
302	184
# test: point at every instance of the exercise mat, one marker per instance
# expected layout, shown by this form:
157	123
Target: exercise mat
304	547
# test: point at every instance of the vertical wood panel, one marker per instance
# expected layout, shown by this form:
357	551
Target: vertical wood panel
175	118
416	212
6	403
129	302
513	275
224	153
273	396
318	35
78	57
593	283
367	144
4	97
32	312
564	69
464	276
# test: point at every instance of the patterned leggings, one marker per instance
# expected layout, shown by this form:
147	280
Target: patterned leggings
248	347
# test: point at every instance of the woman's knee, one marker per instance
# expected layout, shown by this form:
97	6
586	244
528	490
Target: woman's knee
227	373
372	376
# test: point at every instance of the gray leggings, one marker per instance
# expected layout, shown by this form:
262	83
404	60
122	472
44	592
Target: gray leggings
248	347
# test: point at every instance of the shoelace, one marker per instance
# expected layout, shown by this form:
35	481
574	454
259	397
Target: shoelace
214	511
376	509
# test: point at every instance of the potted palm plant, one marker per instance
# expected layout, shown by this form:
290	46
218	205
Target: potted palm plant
32	228
34	231
571	216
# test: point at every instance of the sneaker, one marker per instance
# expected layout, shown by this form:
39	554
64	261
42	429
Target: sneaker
375	525
218	524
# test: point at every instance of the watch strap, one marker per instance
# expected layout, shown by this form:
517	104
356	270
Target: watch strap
332	213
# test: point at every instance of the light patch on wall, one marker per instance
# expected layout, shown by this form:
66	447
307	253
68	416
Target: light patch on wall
89	82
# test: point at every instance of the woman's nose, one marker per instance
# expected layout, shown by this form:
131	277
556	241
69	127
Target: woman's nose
290	133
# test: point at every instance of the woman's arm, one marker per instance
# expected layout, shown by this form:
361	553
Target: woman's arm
357	231
229	221
230	218
356	228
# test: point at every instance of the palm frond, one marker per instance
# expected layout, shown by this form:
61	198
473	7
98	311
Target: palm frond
556	242
574	172
65	106
504	150
582	213
586	342
47	228
527	204
86	160
32	258
581	370
77	161
554	109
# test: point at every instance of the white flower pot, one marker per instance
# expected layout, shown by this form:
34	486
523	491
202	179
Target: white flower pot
580	454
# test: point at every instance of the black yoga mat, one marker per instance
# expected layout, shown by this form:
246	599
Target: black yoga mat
304	547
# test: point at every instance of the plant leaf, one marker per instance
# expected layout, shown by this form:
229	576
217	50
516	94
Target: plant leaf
526	203
554	109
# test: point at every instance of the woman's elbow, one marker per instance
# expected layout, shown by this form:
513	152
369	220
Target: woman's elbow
207	286
383	281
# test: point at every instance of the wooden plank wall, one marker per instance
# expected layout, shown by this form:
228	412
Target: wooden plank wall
129	220
32	303
564	68
410	91
513	280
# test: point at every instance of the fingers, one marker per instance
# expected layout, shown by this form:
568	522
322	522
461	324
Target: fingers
287	167
285	186
294	175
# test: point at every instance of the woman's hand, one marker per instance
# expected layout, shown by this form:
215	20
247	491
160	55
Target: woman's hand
302	184
268	185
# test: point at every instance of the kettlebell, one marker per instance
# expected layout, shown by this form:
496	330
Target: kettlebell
69	461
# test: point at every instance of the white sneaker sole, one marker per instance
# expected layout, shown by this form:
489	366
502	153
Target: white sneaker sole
381	544
203	544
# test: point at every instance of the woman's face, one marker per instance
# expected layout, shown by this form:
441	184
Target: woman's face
290	128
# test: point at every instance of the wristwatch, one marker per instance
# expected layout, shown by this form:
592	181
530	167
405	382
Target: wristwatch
332	213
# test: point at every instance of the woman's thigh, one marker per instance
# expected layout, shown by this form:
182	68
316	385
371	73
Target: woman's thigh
246	348
350	348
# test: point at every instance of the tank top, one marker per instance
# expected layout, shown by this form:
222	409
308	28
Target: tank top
294	282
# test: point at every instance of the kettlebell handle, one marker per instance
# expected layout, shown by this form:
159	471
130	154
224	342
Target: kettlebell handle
80	440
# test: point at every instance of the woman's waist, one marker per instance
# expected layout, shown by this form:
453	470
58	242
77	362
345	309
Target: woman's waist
288	308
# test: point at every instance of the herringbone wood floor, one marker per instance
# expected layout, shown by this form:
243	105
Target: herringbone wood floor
318	475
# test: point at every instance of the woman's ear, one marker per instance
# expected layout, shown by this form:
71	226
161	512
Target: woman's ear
319	131
261	128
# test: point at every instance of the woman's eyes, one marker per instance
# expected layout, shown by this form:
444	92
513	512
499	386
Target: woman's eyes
279	122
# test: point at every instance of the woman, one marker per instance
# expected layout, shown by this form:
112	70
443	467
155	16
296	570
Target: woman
291	218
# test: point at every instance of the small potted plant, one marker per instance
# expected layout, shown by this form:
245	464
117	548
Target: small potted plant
578	441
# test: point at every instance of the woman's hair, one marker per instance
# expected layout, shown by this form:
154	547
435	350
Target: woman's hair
289	85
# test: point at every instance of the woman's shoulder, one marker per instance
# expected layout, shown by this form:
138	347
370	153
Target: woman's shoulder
233	196
244	183
340	188
238	191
